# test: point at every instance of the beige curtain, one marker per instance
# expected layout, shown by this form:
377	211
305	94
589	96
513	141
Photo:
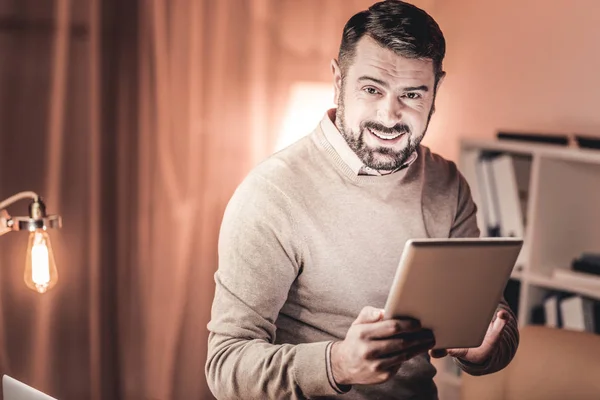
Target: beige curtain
52	141
214	82
137	120
197	138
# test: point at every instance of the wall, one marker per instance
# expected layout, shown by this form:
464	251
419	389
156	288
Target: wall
302	70
527	65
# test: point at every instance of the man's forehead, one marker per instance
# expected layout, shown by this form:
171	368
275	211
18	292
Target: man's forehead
370	56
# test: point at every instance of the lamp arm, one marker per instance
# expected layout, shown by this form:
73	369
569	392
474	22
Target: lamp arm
4	216
19	196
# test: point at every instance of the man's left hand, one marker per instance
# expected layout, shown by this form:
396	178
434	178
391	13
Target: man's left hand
479	355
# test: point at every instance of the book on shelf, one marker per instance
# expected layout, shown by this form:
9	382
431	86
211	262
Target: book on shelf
551	312
489	197
499	185
568	311
469	164
587	263
555	139
587	142
580	314
522	167
500	198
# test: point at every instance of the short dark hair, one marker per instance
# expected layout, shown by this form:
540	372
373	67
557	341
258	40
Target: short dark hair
399	26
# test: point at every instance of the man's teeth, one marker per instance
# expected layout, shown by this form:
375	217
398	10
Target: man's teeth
384	137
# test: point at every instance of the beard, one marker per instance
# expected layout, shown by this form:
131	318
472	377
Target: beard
380	158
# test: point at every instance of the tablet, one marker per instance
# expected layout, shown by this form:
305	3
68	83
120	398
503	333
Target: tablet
12	389
453	286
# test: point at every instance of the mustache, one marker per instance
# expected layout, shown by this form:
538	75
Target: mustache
398	128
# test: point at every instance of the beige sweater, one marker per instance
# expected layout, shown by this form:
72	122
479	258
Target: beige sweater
304	245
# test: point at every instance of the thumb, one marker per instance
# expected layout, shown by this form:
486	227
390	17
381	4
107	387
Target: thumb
368	314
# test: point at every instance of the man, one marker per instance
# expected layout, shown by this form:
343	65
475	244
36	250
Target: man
311	239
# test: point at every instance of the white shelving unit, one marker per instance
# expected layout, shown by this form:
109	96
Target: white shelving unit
562	220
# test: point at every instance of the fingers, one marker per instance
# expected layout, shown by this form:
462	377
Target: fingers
390	328
397	345
503	315
368	315
374	349
460	353
492	337
397	359
496	328
438	353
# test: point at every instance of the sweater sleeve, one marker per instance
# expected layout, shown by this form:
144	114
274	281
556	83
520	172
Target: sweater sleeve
259	258
465	225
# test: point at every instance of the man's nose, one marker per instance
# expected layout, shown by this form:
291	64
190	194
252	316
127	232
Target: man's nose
390	112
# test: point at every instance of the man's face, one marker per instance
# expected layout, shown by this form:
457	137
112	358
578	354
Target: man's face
384	104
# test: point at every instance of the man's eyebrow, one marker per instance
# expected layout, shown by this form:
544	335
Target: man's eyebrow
423	88
370	78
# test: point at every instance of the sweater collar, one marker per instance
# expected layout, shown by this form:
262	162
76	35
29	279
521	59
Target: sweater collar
338	142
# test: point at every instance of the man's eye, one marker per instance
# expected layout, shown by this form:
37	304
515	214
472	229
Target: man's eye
371	90
412	95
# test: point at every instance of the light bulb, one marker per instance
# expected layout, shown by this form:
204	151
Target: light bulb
40	269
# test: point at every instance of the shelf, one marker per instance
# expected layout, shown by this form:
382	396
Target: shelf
565	217
590	290
557	191
569	153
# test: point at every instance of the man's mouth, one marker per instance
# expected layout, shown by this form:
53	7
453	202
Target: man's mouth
385	136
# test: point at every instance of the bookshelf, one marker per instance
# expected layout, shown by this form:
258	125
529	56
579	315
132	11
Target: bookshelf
558	200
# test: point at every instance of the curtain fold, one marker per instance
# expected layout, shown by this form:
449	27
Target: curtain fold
136	120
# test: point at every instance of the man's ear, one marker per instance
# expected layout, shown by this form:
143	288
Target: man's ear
439	81
337	81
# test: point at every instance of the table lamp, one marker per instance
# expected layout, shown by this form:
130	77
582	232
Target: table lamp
40	268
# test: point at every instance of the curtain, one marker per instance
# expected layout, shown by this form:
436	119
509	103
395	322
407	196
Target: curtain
136	120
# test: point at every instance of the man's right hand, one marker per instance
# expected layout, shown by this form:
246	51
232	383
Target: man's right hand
374	349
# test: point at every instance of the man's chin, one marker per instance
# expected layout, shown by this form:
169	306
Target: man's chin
383	166
384	162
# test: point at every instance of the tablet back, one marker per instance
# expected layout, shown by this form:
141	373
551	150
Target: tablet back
453	286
